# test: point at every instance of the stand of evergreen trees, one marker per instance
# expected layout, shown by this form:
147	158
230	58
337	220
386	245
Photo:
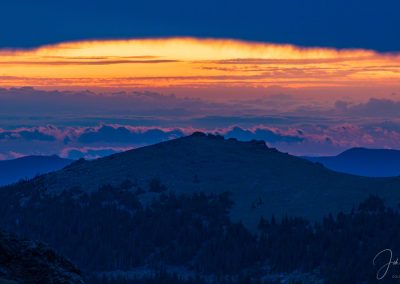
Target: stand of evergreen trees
110	229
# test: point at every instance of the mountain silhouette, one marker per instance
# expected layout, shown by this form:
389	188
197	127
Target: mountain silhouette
363	162
261	180
28	167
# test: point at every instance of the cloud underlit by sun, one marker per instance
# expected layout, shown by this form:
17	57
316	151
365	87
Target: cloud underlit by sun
189	63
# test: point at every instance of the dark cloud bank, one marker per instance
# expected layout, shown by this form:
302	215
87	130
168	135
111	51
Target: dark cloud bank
341	24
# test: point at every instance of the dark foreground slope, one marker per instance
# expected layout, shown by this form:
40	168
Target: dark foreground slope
150	219
28	167
23	261
363	162
263	181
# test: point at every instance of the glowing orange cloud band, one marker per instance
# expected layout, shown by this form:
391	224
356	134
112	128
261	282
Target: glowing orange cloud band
194	63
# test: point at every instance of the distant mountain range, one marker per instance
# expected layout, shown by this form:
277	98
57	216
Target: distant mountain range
363	162
28	167
262	180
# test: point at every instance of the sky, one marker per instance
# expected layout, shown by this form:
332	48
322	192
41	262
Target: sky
89	78
367	24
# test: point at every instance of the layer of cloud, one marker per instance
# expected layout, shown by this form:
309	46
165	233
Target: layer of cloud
268	135
121	134
165	64
380	108
94	142
88	124
29	106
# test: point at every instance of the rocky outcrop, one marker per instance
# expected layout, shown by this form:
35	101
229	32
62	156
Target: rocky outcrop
23	261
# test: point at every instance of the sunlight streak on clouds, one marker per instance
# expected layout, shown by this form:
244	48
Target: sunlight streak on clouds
181	64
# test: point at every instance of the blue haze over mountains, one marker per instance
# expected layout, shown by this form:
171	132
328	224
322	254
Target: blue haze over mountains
28	167
363	162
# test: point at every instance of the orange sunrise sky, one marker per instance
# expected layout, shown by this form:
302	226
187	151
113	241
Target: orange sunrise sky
207	68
